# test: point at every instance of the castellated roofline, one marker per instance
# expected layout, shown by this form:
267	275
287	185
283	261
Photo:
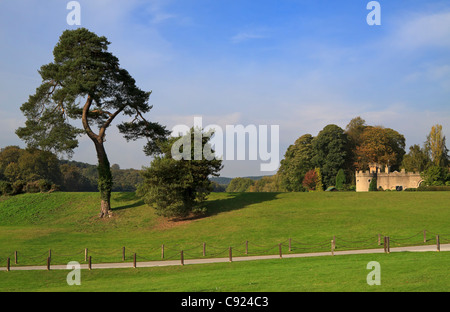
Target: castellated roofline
379	173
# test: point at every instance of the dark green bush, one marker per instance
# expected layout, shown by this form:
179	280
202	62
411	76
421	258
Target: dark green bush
5	188
373	185
434	188
18	187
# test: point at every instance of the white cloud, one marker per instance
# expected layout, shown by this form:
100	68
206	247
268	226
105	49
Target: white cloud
423	31
250	34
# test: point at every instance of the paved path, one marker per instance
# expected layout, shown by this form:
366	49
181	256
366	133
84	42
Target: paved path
444	247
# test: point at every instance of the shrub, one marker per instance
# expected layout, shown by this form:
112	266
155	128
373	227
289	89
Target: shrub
434	188
373	185
5	188
18	187
31	187
340	180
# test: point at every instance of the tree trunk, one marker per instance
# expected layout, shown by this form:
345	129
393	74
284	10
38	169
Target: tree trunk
104	180
104	170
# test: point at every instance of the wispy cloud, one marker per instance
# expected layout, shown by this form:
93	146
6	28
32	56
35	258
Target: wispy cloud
423	31
247	35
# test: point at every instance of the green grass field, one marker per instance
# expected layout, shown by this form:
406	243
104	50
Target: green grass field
67	223
400	272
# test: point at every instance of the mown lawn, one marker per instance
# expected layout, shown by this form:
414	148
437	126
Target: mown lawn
67	223
400	272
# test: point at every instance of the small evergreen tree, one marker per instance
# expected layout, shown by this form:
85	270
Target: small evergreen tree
177	188
340	180
373	185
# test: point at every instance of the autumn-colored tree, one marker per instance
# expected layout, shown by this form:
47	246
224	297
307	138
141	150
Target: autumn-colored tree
310	180
380	145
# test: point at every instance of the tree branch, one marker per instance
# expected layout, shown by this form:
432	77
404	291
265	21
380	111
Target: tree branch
84	119
101	133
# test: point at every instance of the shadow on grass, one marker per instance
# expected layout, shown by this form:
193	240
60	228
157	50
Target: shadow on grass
232	201
123	197
236	201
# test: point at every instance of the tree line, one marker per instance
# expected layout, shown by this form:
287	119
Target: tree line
32	170
331	159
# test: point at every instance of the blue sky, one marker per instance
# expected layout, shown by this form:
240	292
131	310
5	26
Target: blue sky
299	64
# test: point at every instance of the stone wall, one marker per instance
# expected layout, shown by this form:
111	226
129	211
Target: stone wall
387	180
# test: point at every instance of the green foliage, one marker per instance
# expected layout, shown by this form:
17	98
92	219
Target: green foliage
331	150
296	163
373	185
5	188
340	180
105	180
319	183
239	185
218	188
435	176
24	170
417	160
434	188
436	147
178	187
266	184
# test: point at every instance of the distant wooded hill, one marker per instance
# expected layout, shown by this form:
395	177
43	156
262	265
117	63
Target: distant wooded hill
82	177
226	181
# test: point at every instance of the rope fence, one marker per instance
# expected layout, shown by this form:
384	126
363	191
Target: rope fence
204	250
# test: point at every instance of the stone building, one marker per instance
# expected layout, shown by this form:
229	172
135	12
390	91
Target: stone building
387	180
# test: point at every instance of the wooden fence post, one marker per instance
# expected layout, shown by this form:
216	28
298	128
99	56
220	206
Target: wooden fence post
230	254
424	236
385	244
134	261
15	257
333	246
438	243
162	251
290	244
280	249
48	263
379	239
90	263
182	258
8	264
388	244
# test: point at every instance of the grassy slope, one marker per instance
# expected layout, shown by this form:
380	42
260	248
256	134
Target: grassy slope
67	222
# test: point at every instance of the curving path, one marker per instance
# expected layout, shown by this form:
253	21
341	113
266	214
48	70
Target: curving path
443	247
